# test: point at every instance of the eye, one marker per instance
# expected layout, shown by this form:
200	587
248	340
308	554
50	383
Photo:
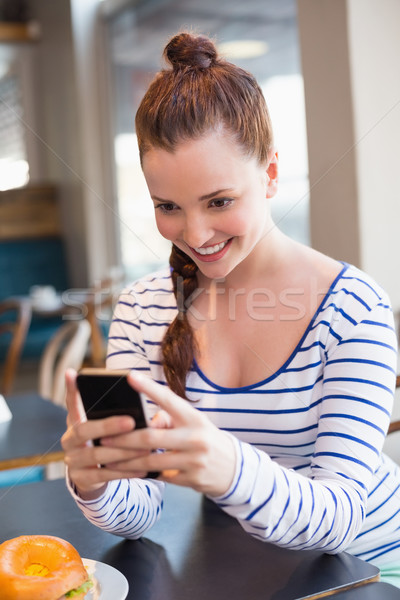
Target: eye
220	202
166	207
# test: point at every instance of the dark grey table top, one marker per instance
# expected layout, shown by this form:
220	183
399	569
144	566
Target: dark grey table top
371	591
195	551
34	431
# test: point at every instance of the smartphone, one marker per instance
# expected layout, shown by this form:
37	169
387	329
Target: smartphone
107	393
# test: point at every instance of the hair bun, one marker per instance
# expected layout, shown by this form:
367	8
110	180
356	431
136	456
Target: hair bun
187	50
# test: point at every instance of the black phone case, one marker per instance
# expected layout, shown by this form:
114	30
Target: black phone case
107	395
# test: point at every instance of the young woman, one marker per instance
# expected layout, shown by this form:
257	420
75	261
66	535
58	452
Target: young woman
270	368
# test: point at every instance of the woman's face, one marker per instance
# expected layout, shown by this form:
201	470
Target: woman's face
211	201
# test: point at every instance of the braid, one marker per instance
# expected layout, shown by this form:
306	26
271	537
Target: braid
178	343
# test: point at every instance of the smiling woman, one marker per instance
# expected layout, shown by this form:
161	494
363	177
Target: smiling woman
271	367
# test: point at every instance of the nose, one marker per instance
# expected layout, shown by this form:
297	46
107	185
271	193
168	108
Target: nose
197	232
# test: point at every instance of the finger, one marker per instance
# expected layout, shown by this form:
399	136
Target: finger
76	412
81	458
161	420
152	438
109	428
179	409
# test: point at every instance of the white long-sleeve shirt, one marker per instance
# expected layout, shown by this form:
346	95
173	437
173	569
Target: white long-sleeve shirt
310	472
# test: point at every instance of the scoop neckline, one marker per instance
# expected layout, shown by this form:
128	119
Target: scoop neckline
251	386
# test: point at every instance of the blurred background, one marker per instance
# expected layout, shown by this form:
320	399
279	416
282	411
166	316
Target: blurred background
75	215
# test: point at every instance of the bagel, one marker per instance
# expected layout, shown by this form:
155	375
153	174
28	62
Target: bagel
41	567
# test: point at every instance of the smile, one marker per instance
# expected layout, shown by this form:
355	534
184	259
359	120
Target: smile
211	249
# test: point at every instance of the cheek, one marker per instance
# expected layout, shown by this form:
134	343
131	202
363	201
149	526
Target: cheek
167	226
236	225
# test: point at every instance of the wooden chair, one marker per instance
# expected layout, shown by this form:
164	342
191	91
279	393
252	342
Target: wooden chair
17	318
67	349
100	304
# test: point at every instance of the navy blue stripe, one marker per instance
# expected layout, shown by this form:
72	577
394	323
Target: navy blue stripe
328	325
150	291
361	361
305	368
341	311
155	323
379	525
158	306
317	343
122	352
263	504
352	438
378	485
356	399
239	476
373	342
125	322
271	431
355	296
388	548
378	324
124	303
364	283
352	418
260	411
385	501
344	457
357	380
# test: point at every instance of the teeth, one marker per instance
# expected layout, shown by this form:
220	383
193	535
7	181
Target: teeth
211	249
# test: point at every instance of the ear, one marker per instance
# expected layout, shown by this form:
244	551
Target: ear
272	174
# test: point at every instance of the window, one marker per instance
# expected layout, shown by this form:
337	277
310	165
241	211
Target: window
14	169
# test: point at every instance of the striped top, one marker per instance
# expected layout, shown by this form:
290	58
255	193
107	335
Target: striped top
309	468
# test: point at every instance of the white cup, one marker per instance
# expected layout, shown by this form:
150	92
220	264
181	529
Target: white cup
5	412
43	296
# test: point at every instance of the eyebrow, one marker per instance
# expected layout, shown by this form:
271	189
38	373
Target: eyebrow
205	197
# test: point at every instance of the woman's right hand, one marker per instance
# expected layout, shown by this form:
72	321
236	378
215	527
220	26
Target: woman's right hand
82	458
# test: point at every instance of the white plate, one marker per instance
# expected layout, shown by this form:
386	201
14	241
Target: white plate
108	582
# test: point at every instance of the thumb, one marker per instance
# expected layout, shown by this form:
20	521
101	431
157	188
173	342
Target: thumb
178	408
76	412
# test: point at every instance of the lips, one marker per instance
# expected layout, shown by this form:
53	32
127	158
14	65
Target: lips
211	249
212	253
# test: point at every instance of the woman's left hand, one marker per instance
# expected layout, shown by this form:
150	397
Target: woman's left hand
196	453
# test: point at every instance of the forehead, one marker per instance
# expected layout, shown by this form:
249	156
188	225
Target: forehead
214	156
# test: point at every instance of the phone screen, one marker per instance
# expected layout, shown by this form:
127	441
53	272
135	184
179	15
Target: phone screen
106	394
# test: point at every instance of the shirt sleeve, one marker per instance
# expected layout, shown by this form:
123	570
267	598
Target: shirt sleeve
126	348
128	507
326	510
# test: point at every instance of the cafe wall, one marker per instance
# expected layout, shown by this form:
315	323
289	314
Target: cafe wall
350	56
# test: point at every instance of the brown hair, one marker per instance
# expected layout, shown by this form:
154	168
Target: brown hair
199	94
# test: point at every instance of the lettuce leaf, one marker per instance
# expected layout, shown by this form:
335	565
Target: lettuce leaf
85	587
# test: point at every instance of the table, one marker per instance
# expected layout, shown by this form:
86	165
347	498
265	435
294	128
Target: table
372	591
32	437
195	552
